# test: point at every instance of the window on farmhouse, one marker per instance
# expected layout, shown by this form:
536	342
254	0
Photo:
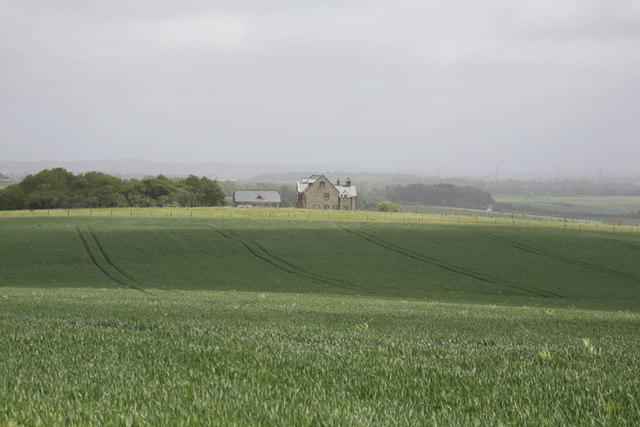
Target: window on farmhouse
326	207
326	196
322	185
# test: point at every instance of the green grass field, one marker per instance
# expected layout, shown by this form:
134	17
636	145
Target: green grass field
596	205
429	215
466	263
146	321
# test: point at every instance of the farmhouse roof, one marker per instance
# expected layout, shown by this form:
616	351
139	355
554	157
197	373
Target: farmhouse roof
304	183
346	191
265	196
302	187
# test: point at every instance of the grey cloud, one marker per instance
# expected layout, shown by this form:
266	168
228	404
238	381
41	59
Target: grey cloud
401	84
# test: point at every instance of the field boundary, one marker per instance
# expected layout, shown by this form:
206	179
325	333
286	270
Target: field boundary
444	216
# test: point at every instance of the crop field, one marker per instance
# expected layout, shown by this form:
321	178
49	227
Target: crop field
465	263
179	320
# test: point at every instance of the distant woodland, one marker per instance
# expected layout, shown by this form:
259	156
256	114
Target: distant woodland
429	195
60	189
440	195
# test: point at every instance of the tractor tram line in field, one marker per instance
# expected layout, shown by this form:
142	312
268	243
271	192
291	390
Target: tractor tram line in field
100	259
262	254
626	245
450	267
556	257
106	257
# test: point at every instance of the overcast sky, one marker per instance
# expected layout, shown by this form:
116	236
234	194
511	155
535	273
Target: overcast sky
461	85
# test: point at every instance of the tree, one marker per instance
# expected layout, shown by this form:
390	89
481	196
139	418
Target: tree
288	195
388	207
12	198
152	188
49	189
204	192
212	193
99	190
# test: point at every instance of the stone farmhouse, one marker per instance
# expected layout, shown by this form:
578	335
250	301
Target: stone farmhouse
256	198
317	192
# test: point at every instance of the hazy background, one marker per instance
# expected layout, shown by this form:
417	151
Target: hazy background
498	87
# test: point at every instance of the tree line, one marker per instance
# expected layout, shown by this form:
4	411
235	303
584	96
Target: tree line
431	195
61	189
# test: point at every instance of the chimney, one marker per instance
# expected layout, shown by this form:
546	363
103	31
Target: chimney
338	181
348	182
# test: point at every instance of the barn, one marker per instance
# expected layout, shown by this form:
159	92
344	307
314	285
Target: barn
256	198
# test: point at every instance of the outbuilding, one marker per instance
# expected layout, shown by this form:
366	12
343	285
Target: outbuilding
257	198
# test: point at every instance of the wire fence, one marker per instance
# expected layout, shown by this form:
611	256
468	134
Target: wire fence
444	217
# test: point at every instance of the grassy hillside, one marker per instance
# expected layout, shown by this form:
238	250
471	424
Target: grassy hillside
471	263
145	321
95	357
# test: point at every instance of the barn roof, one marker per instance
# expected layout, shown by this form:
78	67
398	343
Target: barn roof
257	196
